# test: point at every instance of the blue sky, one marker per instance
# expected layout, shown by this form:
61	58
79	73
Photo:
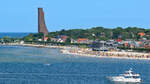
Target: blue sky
21	15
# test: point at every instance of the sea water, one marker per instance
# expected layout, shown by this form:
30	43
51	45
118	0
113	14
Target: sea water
13	35
30	65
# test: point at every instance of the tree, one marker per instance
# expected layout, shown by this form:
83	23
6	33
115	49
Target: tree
106	33
6	39
49	39
68	41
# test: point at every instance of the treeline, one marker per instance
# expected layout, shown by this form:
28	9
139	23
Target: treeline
7	39
103	33
100	33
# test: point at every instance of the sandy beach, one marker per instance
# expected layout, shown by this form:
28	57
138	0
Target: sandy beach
107	54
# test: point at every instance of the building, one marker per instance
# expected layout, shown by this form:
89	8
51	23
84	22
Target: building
141	34
82	40
62	38
45	38
41	22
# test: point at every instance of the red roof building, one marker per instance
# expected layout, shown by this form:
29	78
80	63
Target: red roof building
82	40
141	34
45	38
64	37
119	40
126	44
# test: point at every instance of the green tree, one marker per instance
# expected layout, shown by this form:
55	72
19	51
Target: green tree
6	39
68	41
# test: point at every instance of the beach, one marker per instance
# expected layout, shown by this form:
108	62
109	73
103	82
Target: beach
106	54
87	52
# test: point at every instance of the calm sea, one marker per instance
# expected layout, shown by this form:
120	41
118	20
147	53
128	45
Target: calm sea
29	65
13	35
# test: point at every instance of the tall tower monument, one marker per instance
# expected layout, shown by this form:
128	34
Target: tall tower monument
41	22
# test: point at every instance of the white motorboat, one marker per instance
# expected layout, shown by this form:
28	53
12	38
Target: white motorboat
128	76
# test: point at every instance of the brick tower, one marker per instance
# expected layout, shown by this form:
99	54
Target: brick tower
41	22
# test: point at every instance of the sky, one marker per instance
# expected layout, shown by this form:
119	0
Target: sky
22	15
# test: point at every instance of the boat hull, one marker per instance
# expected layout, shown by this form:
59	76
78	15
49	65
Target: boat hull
122	79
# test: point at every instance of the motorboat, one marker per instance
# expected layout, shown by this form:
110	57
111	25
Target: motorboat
128	76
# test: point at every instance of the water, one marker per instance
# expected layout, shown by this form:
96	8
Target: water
13	35
29	65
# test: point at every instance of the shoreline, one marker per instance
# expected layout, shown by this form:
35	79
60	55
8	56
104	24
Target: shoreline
131	55
95	56
86	52
34	45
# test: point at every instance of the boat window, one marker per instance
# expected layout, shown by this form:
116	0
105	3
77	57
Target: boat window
128	77
135	76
